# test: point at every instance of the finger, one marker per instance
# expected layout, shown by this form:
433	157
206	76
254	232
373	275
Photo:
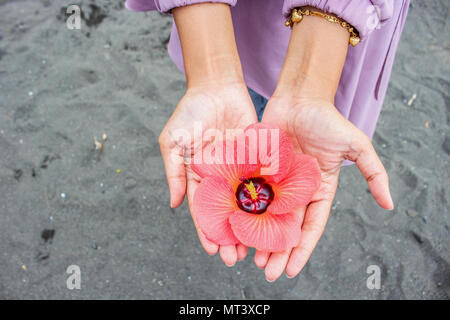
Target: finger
175	173
374	172
228	255
276	265
241	252
210	247
316	217
261	258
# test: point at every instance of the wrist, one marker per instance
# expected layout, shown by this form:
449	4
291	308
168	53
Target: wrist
314	59
221	69
304	85
207	40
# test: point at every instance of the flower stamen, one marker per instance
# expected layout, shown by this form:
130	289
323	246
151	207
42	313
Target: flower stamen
254	195
251	188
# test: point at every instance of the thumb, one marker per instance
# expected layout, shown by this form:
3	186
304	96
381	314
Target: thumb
175	172
373	171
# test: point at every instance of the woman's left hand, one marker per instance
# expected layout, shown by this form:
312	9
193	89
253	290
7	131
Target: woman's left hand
318	129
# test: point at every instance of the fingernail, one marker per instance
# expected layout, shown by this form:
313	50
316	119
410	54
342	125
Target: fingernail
289	277
270	280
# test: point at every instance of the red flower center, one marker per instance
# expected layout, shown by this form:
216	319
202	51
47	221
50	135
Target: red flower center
254	195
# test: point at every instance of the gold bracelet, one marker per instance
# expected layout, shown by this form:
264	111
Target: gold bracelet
298	13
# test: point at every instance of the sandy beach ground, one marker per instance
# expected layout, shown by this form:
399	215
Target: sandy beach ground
61	206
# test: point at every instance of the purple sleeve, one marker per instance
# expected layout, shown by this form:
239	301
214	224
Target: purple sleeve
166	5
364	15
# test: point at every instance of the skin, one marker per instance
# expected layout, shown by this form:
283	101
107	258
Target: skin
216	97
302	105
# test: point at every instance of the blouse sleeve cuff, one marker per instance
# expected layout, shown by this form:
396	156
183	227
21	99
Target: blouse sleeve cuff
164	6
364	15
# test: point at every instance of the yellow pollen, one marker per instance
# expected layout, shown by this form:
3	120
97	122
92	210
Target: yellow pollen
252	190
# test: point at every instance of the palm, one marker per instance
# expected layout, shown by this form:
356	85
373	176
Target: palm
210	108
316	128
214	107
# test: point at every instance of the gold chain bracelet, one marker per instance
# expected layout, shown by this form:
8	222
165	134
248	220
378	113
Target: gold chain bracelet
298	13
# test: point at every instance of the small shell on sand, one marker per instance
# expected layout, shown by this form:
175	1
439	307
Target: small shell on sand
411	100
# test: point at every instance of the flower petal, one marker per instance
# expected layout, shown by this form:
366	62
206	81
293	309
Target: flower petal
273	148
214	202
267	232
300	184
231	161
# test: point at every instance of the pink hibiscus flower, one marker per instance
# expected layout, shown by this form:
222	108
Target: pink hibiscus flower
247	201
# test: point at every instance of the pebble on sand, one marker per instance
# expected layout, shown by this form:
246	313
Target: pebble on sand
412	213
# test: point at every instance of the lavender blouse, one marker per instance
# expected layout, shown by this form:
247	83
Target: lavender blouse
262	41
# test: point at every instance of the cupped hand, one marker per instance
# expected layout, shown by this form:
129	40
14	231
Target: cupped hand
211	106
318	129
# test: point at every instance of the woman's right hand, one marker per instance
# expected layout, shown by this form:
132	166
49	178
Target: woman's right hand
216	98
218	106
